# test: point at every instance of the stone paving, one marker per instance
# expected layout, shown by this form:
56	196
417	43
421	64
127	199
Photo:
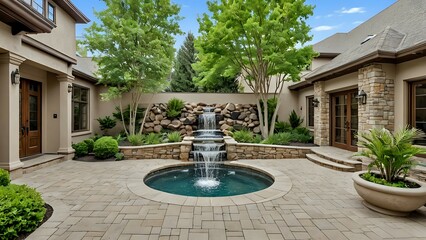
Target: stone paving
91	200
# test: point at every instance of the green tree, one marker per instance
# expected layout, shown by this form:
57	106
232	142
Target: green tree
134	50
181	80
264	40
221	84
81	48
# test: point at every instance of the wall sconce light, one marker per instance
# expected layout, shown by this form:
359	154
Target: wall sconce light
70	87
362	97
16	77
315	102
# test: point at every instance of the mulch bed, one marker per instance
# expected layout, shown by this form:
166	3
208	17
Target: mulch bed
91	158
47	215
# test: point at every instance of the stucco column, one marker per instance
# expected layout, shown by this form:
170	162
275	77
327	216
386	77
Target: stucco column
378	112
9	117
321	115
65	114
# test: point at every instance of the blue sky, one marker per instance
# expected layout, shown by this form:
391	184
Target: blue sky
330	16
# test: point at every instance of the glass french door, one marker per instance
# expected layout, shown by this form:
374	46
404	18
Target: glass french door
344	116
30	118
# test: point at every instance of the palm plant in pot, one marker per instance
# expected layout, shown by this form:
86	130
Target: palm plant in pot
387	189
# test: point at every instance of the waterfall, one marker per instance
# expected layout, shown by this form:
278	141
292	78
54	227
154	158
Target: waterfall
207	150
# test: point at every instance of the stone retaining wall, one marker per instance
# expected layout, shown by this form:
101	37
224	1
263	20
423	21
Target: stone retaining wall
179	151
228	116
235	151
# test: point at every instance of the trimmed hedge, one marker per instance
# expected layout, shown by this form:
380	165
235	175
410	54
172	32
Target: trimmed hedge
105	147
4	177
90	144
81	149
21	210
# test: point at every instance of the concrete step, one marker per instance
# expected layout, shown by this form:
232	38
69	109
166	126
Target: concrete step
329	164
339	156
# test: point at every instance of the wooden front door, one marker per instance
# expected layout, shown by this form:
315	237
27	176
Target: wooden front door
344	118
30	118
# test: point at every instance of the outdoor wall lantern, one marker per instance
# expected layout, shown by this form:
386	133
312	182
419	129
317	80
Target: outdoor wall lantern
315	102
16	77
362	97
69	87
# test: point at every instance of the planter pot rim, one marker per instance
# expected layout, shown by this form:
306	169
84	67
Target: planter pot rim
421	191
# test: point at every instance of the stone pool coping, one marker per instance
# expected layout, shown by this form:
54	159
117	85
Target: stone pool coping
281	186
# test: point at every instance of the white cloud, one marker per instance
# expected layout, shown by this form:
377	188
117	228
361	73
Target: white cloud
352	10
324	28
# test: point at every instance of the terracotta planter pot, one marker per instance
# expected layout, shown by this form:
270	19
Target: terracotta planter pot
390	200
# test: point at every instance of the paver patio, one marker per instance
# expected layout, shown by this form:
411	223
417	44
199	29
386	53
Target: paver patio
91	200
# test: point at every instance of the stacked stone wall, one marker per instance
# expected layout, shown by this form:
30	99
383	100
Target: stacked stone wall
321	115
178	151
378	112
229	116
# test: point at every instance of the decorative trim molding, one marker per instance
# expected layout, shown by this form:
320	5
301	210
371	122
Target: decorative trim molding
11	58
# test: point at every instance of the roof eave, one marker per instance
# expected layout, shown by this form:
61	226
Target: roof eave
84	76
73	11
341	70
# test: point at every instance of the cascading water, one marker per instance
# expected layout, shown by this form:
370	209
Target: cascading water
207	151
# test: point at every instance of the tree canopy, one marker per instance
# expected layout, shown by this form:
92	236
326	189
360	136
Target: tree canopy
133	47
264	40
183	74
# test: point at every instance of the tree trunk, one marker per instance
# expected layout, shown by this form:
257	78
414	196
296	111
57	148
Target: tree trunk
147	110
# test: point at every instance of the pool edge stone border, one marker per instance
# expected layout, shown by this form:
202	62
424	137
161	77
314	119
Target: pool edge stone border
281	186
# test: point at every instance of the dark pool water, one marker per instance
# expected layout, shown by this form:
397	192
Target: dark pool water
222	180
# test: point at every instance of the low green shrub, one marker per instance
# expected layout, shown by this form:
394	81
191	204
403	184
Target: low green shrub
120	137
21	210
243	136
301	130
301	138
81	149
90	143
4	177
153	138
257	139
105	147
174	107
282	127
399	183
278	139
136	139
174	137
119	156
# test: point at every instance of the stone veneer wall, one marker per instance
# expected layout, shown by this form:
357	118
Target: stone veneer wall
321	115
379	110
178	151
235	151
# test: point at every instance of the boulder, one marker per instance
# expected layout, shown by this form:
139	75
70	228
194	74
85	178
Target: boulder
225	127
217	110
159	117
149	130
152	116
157	122
256	130
242	116
176	124
229	121
165	122
235	115
189	107
238	127
246	106
230	107
158	128
149	125
253	116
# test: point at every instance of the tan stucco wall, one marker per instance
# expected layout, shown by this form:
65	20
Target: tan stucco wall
62	38
345	82
414	70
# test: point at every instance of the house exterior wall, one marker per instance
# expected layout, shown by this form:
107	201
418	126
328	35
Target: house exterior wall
62	38
302	104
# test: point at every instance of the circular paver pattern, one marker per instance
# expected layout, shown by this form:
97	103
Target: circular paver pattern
281	186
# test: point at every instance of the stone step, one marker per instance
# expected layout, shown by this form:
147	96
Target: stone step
41	161
329	164
340	156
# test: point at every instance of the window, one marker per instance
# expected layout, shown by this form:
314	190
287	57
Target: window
418	108
43	7
51	12
310	111
80	108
